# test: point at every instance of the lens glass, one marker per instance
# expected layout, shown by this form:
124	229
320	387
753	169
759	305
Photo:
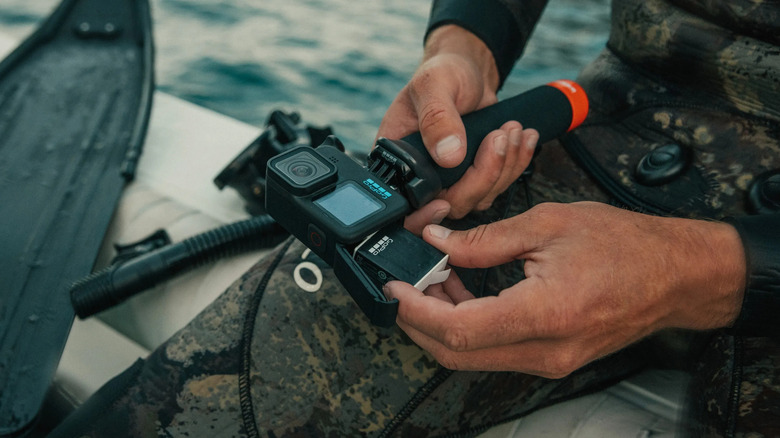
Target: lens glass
302	168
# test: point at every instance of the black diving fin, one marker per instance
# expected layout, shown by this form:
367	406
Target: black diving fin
75	99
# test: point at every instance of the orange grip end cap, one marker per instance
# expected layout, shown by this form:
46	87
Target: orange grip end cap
577	97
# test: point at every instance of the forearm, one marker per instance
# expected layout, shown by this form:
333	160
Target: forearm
503	25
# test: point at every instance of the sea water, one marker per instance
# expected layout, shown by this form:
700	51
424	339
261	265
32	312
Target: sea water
336	62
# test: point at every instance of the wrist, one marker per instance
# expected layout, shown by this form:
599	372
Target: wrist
711	269
457	41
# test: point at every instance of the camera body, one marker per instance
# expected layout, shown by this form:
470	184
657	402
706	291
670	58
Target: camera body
353	219
327	199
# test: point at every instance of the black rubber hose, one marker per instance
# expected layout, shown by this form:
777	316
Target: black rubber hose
118	282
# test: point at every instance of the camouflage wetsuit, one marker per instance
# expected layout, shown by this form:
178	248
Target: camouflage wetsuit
285	352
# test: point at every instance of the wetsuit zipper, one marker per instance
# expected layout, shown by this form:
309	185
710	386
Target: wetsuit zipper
736	385
244	375
438	378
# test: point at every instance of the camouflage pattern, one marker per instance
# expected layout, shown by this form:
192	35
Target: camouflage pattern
719	98
285	352
735	391
675	74
269	358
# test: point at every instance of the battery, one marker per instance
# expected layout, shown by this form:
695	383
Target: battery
394	253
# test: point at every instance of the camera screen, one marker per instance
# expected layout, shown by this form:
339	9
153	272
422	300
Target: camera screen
349	203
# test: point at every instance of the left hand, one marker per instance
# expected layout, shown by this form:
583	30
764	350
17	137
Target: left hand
598	279
457	76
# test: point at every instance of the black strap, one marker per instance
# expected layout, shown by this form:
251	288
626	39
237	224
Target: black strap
503	30
761	306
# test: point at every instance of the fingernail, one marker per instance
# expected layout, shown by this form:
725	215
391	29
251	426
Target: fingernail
438	231
499	145
448	146
440	215
530	141
387	292
515	136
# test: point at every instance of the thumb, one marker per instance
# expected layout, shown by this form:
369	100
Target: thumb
441	126
484	246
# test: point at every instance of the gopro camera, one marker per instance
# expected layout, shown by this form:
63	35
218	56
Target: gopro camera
328	198
353	220
351	216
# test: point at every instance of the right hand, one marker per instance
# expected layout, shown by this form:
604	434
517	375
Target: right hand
457	76
598	278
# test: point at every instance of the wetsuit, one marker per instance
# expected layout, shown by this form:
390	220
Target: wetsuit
286	354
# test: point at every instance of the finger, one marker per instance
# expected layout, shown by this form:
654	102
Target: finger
480	177
455	289
520	151
549	358
436	291
432	213
513	132
412	300
474	324
438	117
486	245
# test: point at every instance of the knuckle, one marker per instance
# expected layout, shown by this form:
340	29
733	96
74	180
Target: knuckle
512	124
555	375
474	236
563	363
484	205
459	211
456	339
553	216
431	115
423	78
545	209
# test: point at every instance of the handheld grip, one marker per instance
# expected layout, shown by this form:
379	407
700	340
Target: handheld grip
551	109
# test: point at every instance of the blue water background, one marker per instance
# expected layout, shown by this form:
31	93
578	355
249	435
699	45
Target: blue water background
336	62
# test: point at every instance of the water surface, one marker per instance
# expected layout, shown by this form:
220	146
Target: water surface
337	62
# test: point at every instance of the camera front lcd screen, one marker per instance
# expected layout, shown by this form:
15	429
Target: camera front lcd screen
349	204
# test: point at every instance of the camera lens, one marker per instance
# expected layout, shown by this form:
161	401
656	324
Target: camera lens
302	169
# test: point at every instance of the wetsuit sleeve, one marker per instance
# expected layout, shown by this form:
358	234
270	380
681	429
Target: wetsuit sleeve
760	315
504	25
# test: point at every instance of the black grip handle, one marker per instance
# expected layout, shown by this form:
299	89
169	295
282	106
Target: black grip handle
547	108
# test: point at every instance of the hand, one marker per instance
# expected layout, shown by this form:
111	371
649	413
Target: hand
457	76
598	279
